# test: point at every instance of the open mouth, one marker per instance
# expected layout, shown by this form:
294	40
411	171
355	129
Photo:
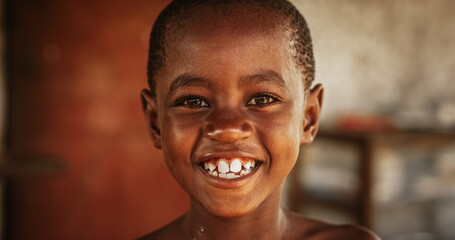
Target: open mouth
229	168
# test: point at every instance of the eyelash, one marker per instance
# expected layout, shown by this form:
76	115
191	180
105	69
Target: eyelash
271	99
184	101
203	103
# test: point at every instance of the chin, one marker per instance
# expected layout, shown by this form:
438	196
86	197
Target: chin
229	211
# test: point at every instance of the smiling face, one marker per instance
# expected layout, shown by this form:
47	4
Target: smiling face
230	115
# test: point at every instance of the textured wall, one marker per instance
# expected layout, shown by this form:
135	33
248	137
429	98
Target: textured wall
394	57
78	68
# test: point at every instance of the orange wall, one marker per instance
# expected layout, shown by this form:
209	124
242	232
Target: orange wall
77	70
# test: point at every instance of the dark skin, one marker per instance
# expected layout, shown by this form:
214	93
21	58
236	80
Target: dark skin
232	92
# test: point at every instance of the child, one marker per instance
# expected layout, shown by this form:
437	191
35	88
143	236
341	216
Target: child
230	103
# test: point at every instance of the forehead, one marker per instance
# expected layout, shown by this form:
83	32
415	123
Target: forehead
200	38
213	35
226	49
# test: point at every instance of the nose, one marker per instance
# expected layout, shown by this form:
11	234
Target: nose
227	125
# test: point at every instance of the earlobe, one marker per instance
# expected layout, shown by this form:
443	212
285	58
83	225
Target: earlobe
312	114
150	108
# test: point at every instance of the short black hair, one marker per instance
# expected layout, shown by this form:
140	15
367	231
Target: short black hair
178	11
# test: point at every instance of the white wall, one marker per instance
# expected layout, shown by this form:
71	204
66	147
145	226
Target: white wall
394	57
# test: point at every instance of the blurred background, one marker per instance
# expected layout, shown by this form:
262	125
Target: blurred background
76	161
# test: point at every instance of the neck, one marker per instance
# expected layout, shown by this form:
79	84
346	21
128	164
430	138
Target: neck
267	221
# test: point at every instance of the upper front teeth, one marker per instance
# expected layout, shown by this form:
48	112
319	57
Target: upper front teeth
223	169
236	166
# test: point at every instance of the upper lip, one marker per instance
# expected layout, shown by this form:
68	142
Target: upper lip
209	151
226	154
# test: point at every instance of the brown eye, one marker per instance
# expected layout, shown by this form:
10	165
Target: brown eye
262	100
192	102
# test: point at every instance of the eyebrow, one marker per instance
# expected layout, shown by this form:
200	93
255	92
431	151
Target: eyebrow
187	80
264	76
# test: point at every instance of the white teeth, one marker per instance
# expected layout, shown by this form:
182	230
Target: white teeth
209	166
235	170
247	165
223	167
236	166
242	173
230	175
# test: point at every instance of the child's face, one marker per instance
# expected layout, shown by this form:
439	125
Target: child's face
222	96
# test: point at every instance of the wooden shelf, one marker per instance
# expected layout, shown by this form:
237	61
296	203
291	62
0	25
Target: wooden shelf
366	145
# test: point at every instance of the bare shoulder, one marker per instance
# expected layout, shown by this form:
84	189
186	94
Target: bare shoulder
316	230
344	232
168	232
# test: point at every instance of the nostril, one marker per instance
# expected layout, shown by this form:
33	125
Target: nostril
247	128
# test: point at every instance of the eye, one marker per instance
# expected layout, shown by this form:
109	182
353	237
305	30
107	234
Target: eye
192	102
263	99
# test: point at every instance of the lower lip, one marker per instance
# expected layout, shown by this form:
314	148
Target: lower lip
229	183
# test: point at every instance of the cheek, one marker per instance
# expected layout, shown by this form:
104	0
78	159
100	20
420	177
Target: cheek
286	149
178	138
281	137
177	147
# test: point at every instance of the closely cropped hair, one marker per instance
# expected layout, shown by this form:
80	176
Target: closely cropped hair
178	11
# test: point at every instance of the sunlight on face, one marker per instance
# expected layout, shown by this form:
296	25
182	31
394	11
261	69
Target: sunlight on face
223	96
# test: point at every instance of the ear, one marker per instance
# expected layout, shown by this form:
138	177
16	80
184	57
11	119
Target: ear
312	114
150	109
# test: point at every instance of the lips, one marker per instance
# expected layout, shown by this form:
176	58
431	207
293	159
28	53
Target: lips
229	168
